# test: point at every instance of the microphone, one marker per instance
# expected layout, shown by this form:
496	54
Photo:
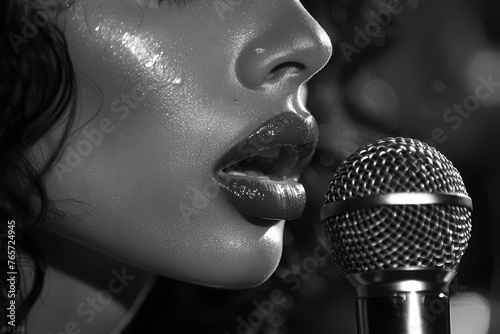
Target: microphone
397	220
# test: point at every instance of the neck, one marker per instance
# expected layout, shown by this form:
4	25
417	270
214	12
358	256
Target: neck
85	291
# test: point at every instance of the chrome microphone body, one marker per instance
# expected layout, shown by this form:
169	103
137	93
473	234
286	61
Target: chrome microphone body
402	301
397	220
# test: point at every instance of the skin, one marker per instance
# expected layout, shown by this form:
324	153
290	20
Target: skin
164	92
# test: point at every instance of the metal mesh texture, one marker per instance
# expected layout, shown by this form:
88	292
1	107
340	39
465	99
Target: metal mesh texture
399	236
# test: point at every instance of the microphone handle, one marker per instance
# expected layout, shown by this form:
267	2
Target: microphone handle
403	313
402	301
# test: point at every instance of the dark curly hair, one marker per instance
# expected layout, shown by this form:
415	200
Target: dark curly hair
37	88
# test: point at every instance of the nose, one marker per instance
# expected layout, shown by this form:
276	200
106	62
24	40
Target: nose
287	48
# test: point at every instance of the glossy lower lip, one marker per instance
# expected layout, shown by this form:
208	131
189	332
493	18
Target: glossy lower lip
283	198
269	199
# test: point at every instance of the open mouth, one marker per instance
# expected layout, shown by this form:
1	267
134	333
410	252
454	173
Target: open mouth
260	174
274	163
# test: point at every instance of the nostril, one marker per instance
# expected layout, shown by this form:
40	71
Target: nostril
289	65
285	69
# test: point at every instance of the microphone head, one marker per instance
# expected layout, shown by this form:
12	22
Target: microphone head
397	236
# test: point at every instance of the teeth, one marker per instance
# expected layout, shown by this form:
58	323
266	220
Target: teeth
233	172
250	173
253	173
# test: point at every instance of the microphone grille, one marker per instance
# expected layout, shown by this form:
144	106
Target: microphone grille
397	236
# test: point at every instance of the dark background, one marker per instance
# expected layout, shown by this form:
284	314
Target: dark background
425	60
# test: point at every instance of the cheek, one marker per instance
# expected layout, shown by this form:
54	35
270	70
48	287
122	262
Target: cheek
112	44
93	31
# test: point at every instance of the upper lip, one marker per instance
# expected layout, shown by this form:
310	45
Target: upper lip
294	134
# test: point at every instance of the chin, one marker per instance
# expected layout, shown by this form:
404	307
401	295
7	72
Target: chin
242	275
235	262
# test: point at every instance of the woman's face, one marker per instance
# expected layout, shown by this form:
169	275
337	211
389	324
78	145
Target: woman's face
191	133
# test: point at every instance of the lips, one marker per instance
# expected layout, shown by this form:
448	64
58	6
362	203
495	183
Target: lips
260	173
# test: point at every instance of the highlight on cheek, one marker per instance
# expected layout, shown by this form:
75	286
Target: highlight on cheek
118	39
143	51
